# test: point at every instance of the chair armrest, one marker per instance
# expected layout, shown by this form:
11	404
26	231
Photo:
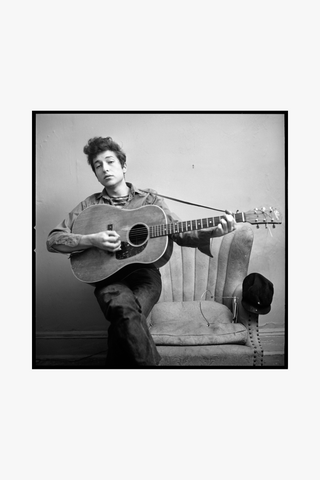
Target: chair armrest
251	322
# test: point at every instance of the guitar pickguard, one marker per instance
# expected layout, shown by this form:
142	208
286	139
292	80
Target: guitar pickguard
128	250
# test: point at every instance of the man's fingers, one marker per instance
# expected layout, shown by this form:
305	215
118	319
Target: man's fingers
223	225
230	221
112	235
226	224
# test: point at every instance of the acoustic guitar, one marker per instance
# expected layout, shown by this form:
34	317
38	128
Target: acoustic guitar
144	234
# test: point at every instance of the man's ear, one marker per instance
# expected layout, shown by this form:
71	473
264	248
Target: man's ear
124	168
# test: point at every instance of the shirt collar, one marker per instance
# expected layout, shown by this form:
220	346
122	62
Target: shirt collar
132	192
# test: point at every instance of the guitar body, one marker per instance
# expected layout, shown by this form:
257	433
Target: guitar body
94	264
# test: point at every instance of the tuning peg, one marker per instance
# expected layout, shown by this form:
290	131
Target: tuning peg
258	226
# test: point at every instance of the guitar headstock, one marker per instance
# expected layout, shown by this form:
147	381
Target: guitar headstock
263	215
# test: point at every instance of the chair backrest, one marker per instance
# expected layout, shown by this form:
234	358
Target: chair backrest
190	275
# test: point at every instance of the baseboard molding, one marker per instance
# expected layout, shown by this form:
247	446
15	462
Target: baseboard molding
271	329
70	344
72	335
273	340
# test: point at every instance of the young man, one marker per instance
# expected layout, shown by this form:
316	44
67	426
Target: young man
126	302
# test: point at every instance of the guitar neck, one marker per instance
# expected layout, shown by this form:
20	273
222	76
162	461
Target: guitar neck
189	225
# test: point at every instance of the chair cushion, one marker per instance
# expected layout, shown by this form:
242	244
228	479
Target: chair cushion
182	323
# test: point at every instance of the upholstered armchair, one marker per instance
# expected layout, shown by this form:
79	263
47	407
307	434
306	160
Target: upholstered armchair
199	319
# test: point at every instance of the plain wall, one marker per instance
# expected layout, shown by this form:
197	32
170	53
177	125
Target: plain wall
228	161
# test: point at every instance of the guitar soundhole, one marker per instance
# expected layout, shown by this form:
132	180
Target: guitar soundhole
138	234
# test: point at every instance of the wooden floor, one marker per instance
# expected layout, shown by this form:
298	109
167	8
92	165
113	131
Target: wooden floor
273	347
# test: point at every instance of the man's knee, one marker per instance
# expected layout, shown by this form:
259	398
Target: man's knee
109	292
117	298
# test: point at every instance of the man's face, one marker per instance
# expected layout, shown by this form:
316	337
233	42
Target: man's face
108	169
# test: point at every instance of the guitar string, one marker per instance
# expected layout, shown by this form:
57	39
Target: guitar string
182	226
250	219
164	229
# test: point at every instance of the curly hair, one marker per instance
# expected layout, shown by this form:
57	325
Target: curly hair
97	145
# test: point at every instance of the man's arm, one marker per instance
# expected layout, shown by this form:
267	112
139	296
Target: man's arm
200	239
62	240
70	242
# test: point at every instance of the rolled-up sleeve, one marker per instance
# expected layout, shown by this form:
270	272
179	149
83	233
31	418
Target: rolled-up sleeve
200	239
62	233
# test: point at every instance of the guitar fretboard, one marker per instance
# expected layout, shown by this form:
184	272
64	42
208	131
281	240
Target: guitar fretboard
189	225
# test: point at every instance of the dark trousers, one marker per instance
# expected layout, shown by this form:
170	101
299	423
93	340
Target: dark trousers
126	304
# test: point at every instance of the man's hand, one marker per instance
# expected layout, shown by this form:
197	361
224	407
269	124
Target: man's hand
226	225
108	240
69	243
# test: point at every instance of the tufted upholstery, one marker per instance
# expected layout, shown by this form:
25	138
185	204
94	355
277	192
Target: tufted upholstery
193	322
